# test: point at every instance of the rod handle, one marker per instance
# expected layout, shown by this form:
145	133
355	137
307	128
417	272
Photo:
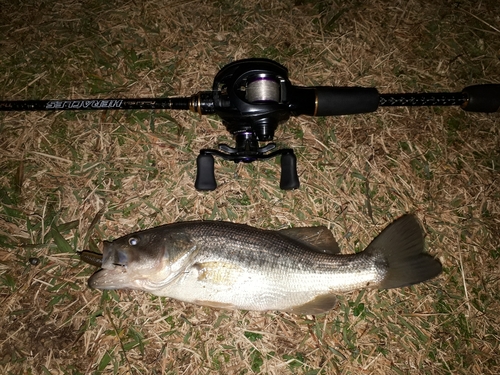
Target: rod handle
334	101
482	98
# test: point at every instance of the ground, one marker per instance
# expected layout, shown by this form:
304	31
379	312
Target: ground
71	180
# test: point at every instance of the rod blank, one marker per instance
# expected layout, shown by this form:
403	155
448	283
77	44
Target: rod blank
95	104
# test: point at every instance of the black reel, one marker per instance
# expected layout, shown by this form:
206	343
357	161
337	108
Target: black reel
251	98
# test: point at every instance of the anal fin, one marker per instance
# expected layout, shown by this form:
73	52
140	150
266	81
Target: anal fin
318	305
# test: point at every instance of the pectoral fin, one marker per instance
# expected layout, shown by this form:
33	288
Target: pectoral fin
220	273
319	238
318	305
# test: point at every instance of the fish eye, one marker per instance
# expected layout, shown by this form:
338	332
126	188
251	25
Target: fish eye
132	241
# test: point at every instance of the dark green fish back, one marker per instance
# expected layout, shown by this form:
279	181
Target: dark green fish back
253	246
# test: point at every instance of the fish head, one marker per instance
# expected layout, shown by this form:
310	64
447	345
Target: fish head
140	261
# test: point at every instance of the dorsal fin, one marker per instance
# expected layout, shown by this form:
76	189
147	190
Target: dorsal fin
318	238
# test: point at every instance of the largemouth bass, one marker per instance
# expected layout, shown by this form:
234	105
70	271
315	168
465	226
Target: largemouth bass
235	266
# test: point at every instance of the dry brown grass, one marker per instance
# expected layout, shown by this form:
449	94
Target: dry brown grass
71	180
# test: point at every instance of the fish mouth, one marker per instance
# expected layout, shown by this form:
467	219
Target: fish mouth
114	278
113	274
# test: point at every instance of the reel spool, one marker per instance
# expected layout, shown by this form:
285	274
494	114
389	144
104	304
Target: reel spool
250	96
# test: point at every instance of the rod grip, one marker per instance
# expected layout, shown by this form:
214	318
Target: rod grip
334	101
482	98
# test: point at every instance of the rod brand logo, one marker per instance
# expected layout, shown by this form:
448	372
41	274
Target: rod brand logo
83	104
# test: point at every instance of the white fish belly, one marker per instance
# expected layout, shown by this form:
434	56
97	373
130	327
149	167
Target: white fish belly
247	290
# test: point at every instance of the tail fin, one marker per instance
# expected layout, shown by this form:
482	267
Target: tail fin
401	246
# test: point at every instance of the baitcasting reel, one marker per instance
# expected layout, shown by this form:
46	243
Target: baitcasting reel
253	96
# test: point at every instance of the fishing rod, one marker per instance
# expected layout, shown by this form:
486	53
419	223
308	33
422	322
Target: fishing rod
253	96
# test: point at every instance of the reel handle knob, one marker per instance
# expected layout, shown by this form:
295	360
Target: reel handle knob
289	178
205	177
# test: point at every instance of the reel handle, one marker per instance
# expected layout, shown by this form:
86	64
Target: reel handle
205	174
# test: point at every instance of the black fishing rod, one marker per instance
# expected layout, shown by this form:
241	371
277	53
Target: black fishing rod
253	96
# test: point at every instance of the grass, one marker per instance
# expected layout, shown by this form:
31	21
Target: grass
71	180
